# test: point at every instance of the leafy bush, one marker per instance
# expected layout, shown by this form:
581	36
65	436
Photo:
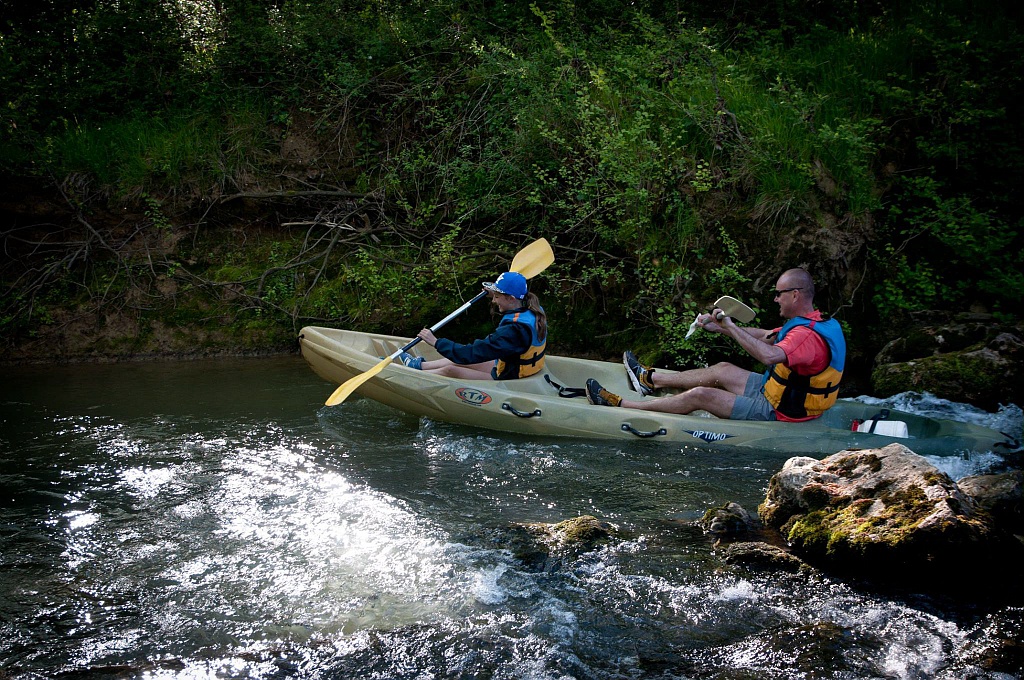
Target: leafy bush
670	154
950	254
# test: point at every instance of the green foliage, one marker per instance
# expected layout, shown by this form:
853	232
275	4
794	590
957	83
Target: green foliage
154	211
818	121
63	64
908	287
671	153
380	290
147	154
330	301
278	284
441	270
729	275
950	254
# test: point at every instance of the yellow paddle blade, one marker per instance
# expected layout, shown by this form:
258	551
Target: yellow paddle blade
533	259
352	384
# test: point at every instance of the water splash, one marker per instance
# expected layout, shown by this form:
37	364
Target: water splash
1009	419
359	543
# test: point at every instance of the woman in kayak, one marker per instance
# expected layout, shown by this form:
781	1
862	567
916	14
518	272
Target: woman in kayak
514	350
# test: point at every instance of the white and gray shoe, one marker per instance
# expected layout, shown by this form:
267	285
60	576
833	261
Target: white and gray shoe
639	375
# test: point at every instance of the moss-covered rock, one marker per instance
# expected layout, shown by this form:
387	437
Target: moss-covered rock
932	333
886	510
969	357
543	547
760	555
728	520
982	377
577	534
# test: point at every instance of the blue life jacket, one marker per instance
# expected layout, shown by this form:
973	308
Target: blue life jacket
531	361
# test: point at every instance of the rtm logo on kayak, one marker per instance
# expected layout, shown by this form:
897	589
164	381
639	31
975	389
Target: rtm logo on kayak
709	437
472	396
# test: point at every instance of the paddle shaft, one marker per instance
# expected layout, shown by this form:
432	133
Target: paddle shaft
437	326
350	386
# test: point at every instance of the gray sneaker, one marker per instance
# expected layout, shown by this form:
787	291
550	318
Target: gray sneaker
639	374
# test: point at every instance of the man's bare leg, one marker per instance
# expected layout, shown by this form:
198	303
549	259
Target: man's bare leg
713	389
724	375
715	401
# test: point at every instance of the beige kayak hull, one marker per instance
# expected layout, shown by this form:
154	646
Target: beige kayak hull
532	406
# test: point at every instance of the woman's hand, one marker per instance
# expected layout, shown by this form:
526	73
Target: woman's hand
427	336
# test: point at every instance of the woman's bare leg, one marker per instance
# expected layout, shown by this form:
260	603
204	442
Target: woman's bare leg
447	368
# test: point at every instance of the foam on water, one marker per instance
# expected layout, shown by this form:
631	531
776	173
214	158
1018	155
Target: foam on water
1009	419
241	531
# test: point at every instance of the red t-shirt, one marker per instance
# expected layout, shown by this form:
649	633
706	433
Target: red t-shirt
806	351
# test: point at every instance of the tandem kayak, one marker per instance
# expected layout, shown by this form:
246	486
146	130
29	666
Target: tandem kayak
547	404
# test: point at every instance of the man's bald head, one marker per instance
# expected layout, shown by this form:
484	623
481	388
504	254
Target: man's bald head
799	278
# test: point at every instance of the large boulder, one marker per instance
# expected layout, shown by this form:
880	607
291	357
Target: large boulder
1001	495
970	357
882	512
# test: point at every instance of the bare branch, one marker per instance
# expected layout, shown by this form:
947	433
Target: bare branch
262	195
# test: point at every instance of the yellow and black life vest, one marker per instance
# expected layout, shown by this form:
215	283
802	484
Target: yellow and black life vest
802	396
530	361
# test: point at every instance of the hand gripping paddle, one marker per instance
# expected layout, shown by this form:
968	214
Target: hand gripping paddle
730	306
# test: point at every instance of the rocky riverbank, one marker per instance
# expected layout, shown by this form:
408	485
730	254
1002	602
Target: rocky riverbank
965	357
883	520
884	517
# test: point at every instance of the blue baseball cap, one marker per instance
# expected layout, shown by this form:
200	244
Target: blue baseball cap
509	283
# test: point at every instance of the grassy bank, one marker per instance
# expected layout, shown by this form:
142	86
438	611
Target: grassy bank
367	164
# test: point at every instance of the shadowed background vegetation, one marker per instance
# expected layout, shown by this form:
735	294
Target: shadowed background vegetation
189	174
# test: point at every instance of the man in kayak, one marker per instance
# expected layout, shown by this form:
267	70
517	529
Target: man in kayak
805	359
514	350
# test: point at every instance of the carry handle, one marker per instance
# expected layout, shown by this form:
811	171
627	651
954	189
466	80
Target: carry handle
881	415
626	427
522	414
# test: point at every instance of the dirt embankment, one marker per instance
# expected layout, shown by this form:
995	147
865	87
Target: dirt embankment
114	284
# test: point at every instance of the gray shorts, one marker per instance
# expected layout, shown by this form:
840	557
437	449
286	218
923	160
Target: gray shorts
752	405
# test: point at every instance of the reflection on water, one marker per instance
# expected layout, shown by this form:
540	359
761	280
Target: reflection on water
213	520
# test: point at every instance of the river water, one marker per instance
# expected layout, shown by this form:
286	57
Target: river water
213	520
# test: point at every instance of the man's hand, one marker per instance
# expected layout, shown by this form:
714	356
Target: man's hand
716	322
